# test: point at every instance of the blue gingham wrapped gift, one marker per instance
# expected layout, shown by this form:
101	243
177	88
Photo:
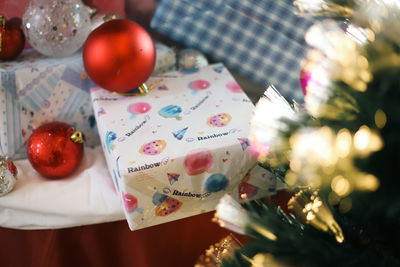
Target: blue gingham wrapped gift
263	40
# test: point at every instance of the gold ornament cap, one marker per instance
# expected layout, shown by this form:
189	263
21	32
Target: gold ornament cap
77	137
143	89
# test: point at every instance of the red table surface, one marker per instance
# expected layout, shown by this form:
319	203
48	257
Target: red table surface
177	243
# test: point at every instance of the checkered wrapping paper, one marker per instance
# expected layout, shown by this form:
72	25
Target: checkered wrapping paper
262	40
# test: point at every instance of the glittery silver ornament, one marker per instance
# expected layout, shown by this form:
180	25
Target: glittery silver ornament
191	58
100	18
8	176
56	27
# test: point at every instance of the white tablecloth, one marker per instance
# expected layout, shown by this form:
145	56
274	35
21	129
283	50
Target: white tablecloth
87	197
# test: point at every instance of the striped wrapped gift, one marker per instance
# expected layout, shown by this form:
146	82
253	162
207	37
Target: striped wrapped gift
262	40
35	89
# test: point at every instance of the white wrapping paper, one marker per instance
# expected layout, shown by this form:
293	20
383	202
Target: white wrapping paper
174	152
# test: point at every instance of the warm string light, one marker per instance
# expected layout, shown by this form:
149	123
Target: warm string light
266	122
340	55
263	231
346	63
319	152
340	185
262	260
359	35
367	141
323	8
317	86
343	143
215	254
321	156
317	156
380	118
344	49
375	14
308	206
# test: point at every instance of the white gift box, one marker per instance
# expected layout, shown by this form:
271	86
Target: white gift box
35	89
176	151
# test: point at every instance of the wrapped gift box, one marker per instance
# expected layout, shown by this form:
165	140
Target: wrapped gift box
261	40
35	89
174	152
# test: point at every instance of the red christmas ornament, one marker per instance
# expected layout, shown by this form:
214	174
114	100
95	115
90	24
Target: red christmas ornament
119	56
55	149
12	39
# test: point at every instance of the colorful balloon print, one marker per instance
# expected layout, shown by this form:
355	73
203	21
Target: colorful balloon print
170	205
153	148
110	137
165	204
130	202
199	85
234	87
158	198
171	111
219	120
198	161
138	108
216	182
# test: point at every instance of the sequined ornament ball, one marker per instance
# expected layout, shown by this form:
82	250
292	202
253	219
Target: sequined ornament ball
56	28
8	175
55	149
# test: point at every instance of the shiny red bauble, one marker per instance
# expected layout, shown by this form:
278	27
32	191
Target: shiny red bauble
55	149
12	39
119	55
